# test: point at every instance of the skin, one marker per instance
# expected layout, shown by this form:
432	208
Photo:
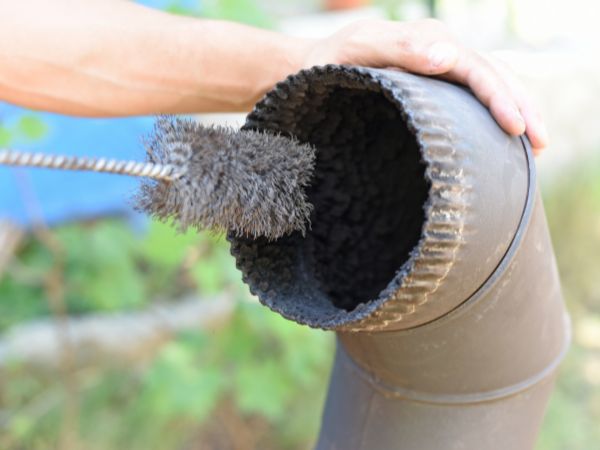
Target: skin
108	58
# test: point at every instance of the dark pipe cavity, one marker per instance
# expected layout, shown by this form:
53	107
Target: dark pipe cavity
369	190
368	194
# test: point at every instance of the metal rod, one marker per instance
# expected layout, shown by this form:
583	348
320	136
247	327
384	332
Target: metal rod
103	165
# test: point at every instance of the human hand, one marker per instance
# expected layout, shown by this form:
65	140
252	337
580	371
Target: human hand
427	47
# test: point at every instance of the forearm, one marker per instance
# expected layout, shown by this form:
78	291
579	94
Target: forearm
113	58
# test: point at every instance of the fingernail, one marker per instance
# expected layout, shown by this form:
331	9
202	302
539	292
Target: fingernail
442	53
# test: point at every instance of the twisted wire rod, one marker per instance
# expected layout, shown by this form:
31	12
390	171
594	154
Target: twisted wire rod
17	158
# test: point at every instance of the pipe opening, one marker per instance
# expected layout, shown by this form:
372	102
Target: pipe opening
368	193
403	165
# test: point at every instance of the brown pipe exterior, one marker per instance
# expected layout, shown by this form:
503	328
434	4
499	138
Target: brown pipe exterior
477	378
435	267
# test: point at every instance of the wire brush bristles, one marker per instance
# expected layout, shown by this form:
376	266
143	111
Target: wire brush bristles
249	182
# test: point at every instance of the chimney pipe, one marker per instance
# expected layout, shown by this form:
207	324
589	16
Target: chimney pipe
428	255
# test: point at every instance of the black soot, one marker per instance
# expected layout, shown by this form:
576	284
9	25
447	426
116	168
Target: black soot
368	193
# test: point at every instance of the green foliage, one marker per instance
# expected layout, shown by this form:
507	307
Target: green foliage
31	127
243	11
179	384
107	268
23	128
100	274
390	7
572	204
181	8
571	422
265	365
261	364
210	273
247	362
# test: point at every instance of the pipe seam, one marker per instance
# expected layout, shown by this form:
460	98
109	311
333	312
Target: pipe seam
398	392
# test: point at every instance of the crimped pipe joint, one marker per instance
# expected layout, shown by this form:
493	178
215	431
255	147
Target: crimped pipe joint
428	254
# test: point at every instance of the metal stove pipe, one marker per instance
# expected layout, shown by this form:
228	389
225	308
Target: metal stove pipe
429	255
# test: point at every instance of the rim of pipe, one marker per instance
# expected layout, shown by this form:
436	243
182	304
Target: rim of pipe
400	305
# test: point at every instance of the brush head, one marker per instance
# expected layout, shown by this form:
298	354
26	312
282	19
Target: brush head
248	182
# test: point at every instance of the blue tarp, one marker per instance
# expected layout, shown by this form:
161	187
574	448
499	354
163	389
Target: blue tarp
165	4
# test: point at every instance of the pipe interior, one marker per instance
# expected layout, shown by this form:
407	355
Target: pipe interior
369	191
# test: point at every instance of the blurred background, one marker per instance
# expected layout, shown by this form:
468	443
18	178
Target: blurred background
118	333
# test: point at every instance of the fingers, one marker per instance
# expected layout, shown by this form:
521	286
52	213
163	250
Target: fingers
536	130
498	88
423	47
427	47
490	88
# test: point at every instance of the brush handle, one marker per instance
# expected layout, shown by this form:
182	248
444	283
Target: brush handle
131	168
